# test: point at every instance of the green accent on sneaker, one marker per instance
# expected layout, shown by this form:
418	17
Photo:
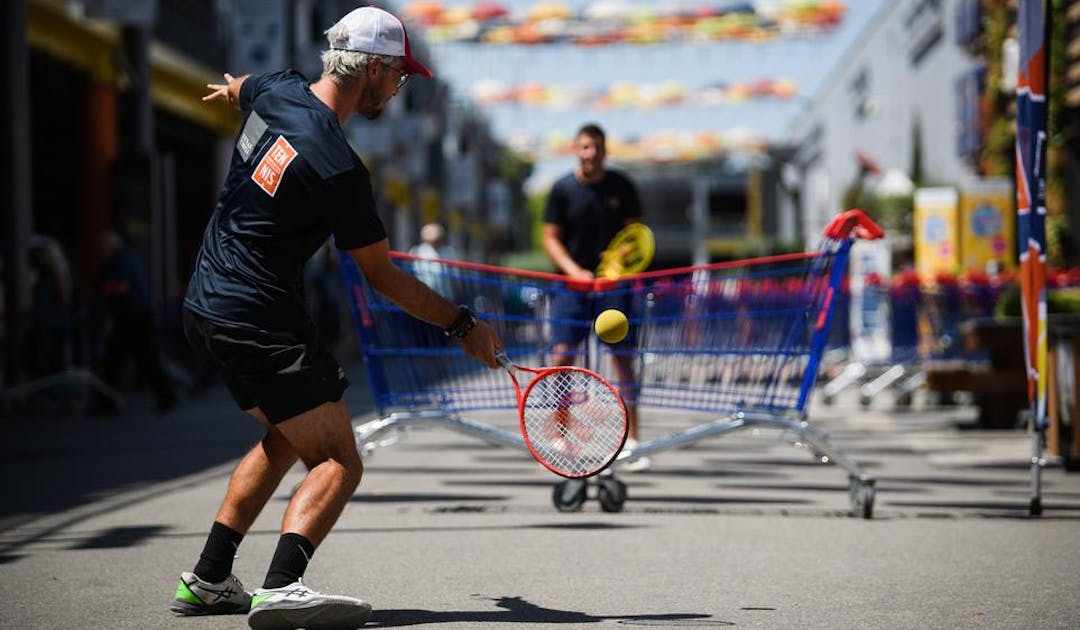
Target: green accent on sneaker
258	599
184	594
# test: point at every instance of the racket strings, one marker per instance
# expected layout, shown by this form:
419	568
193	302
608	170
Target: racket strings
574	422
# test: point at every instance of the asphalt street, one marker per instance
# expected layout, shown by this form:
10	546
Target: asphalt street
745	530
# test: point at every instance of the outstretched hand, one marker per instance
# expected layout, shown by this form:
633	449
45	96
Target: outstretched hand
230	90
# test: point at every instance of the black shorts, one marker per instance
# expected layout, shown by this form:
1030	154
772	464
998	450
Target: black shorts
573	313
280	373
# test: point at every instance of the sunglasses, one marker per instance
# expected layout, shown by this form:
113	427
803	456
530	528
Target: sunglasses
403	76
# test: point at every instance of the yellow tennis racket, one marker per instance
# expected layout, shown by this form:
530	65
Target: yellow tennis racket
631	250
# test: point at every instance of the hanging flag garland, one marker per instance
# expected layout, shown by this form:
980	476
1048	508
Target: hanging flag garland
610	22
491	92
664	146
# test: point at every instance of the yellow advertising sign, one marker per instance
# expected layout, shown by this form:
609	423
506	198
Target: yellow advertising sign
987	226
429	205
936	231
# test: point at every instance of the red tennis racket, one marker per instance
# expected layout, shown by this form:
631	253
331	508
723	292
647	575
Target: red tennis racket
573	421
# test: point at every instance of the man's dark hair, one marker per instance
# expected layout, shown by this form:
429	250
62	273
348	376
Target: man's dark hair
592	130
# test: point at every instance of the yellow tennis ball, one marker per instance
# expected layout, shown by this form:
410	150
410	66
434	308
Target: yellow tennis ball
611	325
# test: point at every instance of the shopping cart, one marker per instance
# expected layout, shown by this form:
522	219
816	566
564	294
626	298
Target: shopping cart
924	327
741	341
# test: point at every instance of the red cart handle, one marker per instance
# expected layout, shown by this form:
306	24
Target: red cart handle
854	222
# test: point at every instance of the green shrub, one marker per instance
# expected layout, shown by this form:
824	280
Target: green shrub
1058	301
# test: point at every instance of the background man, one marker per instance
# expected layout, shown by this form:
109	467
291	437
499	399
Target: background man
432	246
585	209
433	243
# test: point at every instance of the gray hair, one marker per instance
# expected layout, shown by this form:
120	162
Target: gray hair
342	65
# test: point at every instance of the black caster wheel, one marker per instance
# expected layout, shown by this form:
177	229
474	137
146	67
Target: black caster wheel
611	493
569	495
862	497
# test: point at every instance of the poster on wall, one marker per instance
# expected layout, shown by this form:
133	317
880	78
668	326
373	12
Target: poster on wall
936	231
987	226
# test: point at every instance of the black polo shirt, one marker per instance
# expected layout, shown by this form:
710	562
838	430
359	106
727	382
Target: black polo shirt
293	181
590	214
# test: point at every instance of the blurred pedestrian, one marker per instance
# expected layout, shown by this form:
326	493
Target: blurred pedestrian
47	344
130	332
585	209
432	246
294	180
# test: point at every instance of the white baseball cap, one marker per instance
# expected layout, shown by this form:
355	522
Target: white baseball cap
372	30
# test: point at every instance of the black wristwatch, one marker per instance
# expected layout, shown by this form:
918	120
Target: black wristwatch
463	324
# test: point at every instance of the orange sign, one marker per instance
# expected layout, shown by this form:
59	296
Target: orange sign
272	166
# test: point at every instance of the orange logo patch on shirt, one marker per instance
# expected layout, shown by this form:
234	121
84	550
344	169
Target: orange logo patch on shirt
272	166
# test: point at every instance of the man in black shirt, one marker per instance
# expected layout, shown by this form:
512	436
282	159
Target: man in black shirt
585	209
293	182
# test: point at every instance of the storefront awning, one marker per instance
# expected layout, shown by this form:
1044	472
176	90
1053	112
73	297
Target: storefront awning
177	83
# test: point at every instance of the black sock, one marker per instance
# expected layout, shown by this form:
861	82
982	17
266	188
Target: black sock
215	563
290	561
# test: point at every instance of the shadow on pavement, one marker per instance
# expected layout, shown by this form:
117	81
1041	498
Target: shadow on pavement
517	610
75	460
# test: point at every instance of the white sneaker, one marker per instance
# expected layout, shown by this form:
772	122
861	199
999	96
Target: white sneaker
193	596
297	606
634	464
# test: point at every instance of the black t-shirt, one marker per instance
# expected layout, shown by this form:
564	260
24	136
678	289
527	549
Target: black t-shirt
589	215
293	181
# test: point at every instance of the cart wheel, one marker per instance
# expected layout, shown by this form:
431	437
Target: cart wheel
569	495
827	400
862	497
1035	507
865	401
611	493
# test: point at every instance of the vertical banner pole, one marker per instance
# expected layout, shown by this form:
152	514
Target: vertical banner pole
1031	138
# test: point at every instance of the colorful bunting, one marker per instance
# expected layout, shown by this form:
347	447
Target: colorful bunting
611	21
490	92
665	146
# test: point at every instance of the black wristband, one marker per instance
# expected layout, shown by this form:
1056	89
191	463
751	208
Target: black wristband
463	324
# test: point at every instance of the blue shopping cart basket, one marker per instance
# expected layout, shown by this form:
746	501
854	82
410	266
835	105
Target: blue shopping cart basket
742	340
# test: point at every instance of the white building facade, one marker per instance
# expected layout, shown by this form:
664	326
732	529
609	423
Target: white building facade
909	72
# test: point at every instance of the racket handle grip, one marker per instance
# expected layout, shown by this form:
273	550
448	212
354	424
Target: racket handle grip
500	356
